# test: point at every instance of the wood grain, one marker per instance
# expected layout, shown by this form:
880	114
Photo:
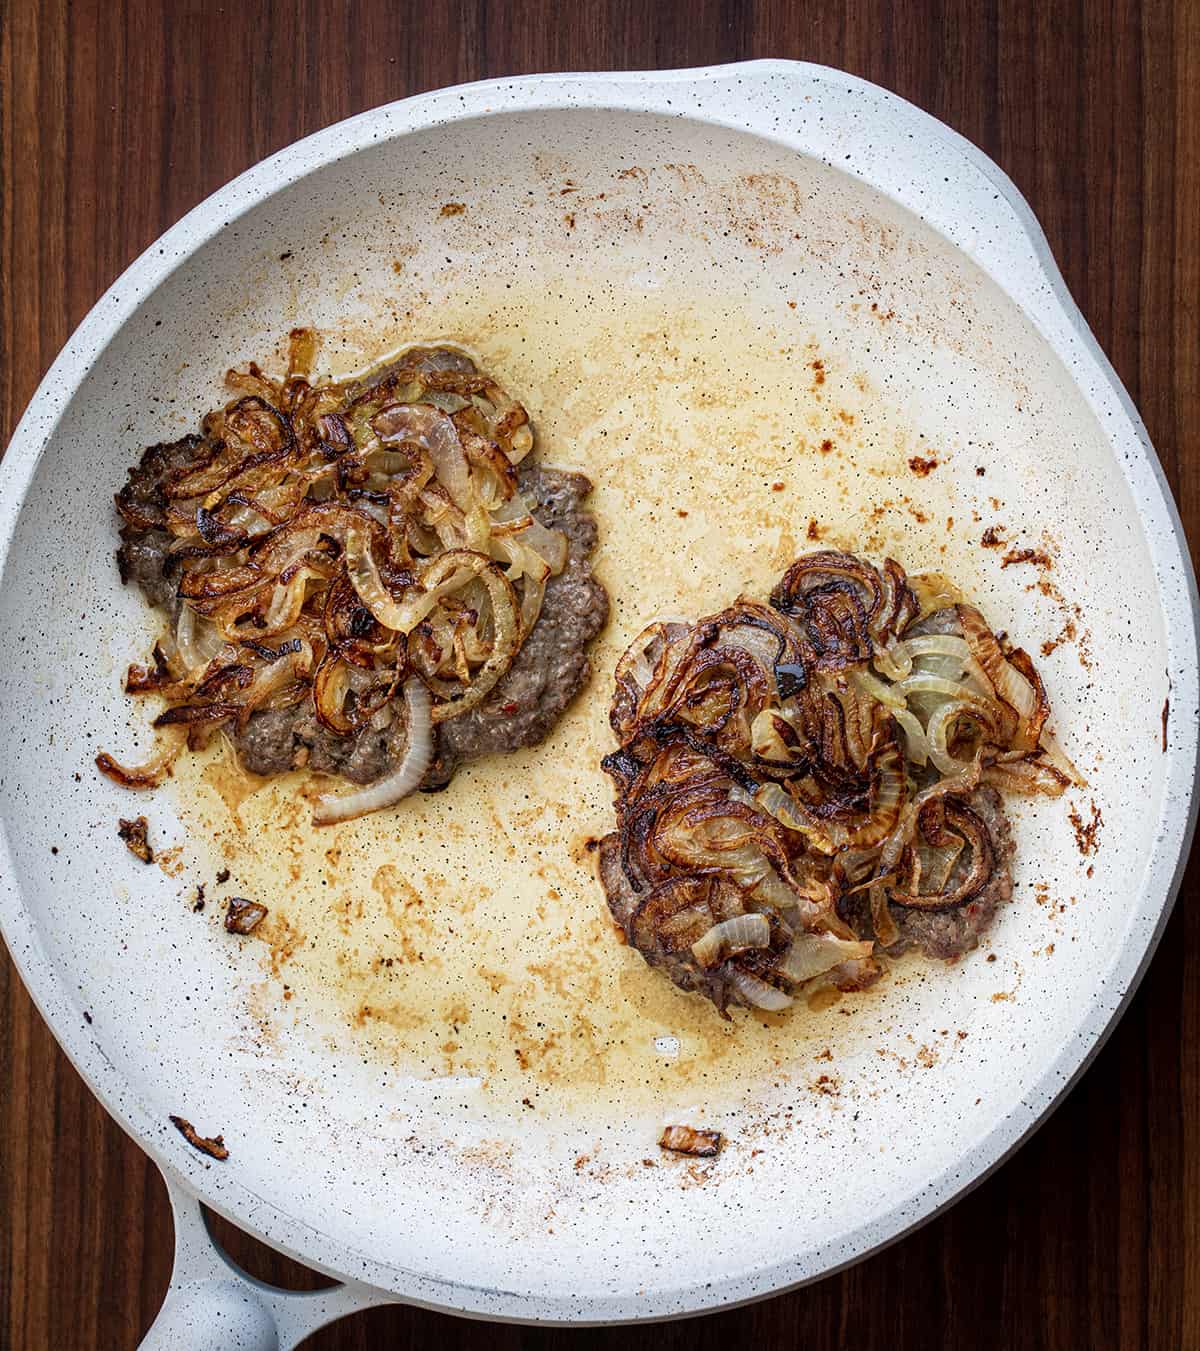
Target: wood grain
117	117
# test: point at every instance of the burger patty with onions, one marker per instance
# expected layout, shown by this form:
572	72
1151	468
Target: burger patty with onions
806	786
368	579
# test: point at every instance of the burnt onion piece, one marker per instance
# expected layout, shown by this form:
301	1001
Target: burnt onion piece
331	546
134	834
701	1144
795	782
214	1146
243	916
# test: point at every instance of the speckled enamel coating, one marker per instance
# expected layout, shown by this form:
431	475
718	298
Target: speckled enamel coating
302	1174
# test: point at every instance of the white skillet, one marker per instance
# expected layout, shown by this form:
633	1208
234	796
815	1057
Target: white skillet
923	280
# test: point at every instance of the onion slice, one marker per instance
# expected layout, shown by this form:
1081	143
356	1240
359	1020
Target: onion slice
1025	698
521	525
150	773
197	641
432	430
758	992
827	835
506	638
366	581
386	792
812	954
731	936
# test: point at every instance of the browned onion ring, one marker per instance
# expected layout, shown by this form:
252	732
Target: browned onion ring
936	821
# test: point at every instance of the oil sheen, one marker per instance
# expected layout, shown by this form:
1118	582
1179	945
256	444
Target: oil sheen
464	934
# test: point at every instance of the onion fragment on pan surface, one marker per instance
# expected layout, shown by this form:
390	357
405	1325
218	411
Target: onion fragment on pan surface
339	562
134	833
243	916
701	1144
214	1145
806	785
150	773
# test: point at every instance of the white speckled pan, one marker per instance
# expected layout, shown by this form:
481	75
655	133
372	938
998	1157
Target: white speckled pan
743	299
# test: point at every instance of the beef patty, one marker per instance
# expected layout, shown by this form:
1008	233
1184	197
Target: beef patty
946	934
550	668
623	901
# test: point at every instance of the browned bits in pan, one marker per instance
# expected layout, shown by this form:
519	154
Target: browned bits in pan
1037	557
134	834
213	1146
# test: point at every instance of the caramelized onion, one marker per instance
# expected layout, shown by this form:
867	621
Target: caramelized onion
884	927
196	641
933	592
775	765
386	792
812	954
432	430
330	687
847	611
829	835
758	992
1026	699
150	773
315	527
675	914
517	523
954	820
1031	776
832	597
688	1140
532	595
364	577
506	633
730	937
291	664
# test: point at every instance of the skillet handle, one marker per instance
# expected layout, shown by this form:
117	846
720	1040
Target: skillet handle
213	1305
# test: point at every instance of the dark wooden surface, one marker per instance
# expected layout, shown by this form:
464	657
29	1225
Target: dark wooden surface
116	117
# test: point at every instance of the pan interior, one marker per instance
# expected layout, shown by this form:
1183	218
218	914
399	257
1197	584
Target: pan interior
441	1054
